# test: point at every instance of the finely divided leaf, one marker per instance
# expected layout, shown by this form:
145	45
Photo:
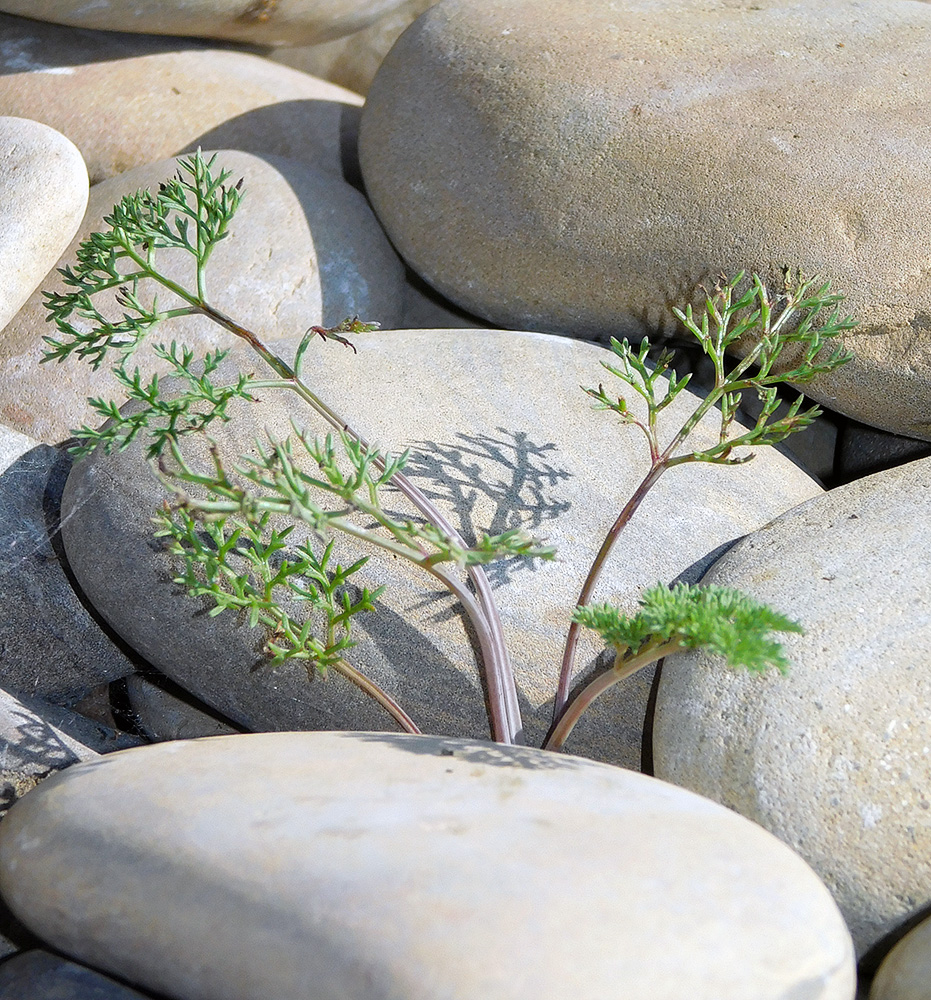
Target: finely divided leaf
724	621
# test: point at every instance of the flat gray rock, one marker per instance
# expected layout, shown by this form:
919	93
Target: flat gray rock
865	450
92	734
379	867
185	94
43	194
504	437
566	167
304	249
51	646
270	22
31	749
835	758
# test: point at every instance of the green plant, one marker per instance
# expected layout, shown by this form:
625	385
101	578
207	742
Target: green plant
229	525
783	332
723	621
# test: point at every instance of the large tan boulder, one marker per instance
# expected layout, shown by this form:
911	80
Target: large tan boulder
835	758
581	167
373	866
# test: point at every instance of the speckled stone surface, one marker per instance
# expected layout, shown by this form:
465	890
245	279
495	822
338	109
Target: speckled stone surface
835	758
383	867
582	167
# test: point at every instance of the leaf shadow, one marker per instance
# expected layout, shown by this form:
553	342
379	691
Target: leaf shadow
509	471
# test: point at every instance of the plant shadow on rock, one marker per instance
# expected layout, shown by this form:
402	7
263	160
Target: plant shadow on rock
460	473
37	751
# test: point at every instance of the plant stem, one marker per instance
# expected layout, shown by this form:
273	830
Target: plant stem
660	462
379	694
621	669
499	676
657	468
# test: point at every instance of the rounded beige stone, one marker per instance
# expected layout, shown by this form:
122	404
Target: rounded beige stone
353	61
175	95
835	757
492	458
582	167
43	194
373	866
905	973
303	249
268	22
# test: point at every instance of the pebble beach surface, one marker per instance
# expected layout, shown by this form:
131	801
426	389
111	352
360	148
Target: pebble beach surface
506	185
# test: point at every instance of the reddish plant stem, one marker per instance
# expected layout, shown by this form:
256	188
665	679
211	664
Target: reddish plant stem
657	468
621	669
378	693
499	676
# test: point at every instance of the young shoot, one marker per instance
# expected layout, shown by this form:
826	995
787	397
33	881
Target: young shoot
231	523
723	621
191	213
789	339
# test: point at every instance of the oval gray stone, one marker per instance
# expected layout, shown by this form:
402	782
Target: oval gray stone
185	94
564	167
835	758
304	248
165	714
50	645
385	867
43	194
503	436
269	22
